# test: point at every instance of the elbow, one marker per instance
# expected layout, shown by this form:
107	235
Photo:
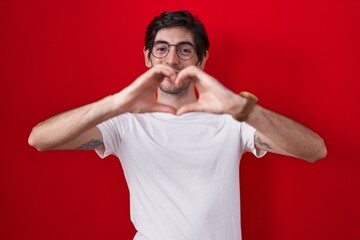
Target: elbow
34	141
319	152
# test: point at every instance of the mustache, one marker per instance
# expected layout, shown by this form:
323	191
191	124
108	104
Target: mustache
175	67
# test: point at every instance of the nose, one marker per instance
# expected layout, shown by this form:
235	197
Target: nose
172	57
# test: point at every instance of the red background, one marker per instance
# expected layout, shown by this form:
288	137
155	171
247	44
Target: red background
301	58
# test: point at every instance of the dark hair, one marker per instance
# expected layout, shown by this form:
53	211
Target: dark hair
179	19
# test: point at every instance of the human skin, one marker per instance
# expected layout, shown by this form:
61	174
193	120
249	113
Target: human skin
169	86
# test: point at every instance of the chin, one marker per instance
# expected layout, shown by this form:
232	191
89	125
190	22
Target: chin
169	88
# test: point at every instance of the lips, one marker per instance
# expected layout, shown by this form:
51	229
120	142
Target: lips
176	70
169	80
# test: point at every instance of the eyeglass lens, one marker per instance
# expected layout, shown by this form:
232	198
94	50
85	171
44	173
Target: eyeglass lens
185	51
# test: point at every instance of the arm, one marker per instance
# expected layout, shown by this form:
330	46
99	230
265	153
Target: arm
275	133
72	129
76	129
279	134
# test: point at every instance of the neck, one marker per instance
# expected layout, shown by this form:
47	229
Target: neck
177	100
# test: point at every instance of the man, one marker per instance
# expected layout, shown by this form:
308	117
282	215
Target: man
180	153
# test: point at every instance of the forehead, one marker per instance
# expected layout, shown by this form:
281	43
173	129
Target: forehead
174	35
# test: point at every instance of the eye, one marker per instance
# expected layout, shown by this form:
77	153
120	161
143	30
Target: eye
161	48
185	49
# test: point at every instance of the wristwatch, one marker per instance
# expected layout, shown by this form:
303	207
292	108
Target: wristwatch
251	101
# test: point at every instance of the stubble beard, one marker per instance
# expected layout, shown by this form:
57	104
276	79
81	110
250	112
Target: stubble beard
173	90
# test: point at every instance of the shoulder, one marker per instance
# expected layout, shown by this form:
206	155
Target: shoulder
117	123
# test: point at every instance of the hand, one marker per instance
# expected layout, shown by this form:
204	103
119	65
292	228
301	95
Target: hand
140	96
213	96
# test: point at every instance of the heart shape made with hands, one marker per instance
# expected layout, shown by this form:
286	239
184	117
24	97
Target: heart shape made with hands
213	97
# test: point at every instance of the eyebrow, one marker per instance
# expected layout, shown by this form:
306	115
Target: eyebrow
182	42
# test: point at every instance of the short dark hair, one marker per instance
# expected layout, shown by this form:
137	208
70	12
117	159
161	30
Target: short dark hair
179	19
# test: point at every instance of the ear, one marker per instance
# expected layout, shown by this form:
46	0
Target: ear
148	62
201	64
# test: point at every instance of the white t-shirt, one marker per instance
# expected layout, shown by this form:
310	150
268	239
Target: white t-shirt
182	172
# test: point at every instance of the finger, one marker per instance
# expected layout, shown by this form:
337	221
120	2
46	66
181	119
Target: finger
153	77
163	108
162	71
190	72
192	107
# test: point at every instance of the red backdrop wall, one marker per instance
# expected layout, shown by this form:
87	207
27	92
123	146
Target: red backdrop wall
301	58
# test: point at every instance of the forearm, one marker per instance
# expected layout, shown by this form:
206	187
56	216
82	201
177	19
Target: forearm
286	135
64	127
289	137
68	130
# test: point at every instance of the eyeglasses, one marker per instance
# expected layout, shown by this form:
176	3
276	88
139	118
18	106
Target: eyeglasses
184	50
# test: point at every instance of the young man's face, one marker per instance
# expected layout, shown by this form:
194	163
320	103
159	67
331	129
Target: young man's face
173	36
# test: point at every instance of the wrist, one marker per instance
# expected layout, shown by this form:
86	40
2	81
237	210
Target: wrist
119	103
249	103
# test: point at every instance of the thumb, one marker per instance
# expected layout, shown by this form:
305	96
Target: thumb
192	107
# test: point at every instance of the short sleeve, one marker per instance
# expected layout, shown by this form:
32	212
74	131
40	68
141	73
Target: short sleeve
111	131
247	139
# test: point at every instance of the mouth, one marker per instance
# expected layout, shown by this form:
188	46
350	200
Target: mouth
176	69
172	90
176	72
167	79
